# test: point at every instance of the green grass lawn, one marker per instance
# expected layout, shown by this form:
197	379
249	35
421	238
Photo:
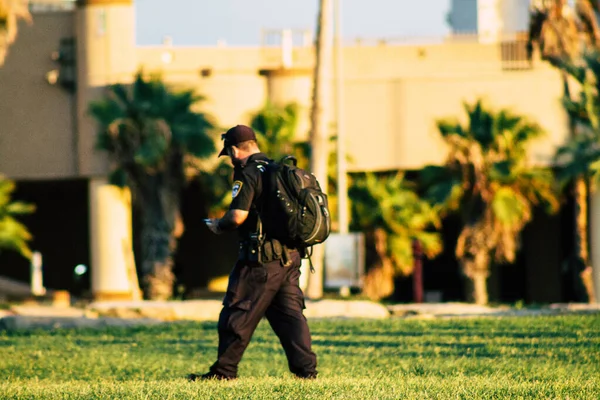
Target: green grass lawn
545	357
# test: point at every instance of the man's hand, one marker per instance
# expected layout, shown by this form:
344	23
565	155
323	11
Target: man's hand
230	221
213	225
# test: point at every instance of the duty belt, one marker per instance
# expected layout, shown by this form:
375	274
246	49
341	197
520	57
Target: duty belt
269	250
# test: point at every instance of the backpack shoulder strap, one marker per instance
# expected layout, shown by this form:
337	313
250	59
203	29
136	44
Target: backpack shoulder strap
265	167
291	158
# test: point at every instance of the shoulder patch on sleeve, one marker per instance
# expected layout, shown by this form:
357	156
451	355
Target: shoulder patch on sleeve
235	190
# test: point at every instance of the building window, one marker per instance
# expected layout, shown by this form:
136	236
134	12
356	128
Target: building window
37	6
513	53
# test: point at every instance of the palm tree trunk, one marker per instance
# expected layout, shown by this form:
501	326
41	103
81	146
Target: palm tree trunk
581	220
480	294
158	243
582	191
159	284
158	268
132	275
320	118
379	280
581	196
475	283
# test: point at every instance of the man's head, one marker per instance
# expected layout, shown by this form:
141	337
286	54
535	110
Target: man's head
239	143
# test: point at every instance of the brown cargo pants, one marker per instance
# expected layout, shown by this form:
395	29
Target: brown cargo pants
269	290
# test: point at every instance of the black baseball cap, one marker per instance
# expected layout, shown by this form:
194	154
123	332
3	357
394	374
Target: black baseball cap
235	135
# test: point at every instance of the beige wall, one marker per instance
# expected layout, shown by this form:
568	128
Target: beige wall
396	61
233	87
393	94
535	94
36	118
391	124
232	97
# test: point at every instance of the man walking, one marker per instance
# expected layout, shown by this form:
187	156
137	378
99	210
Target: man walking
264	280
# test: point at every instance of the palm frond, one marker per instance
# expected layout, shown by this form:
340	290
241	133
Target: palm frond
505	121
119	94
11	11
575	157
555	28
443	185
216	188
537	17
539	187
275	127
19	208
118	177
401	252
576	110
586	11
13	234
389	202
510	208
481	123
106	112
148	128
502	171
526	132
449	127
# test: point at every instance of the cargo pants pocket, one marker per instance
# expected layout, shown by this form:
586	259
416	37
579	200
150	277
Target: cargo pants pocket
246	285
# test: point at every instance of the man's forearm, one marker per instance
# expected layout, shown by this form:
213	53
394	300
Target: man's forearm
227	222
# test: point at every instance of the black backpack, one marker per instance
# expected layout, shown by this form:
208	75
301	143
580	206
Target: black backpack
295	211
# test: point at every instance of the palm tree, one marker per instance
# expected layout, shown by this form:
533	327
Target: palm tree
276	128
560	32
580	155
150	132
10	13
578	160
487	180
216	187
563	35
393	217
13	234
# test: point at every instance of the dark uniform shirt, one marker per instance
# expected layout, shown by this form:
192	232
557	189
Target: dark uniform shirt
246	191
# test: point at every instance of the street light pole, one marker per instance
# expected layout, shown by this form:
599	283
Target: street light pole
321	117
342	177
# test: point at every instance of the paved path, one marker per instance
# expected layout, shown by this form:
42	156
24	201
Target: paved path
103	314
457	310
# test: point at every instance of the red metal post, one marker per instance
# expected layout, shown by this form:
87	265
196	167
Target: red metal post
417	272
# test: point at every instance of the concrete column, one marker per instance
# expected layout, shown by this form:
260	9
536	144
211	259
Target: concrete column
105	31
595	240
489	21
113	275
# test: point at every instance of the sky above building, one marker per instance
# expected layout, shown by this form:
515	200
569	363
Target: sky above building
239	22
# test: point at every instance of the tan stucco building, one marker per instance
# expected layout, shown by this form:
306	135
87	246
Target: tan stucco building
392	96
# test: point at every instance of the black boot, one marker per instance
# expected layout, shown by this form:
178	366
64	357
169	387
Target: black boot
209	376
